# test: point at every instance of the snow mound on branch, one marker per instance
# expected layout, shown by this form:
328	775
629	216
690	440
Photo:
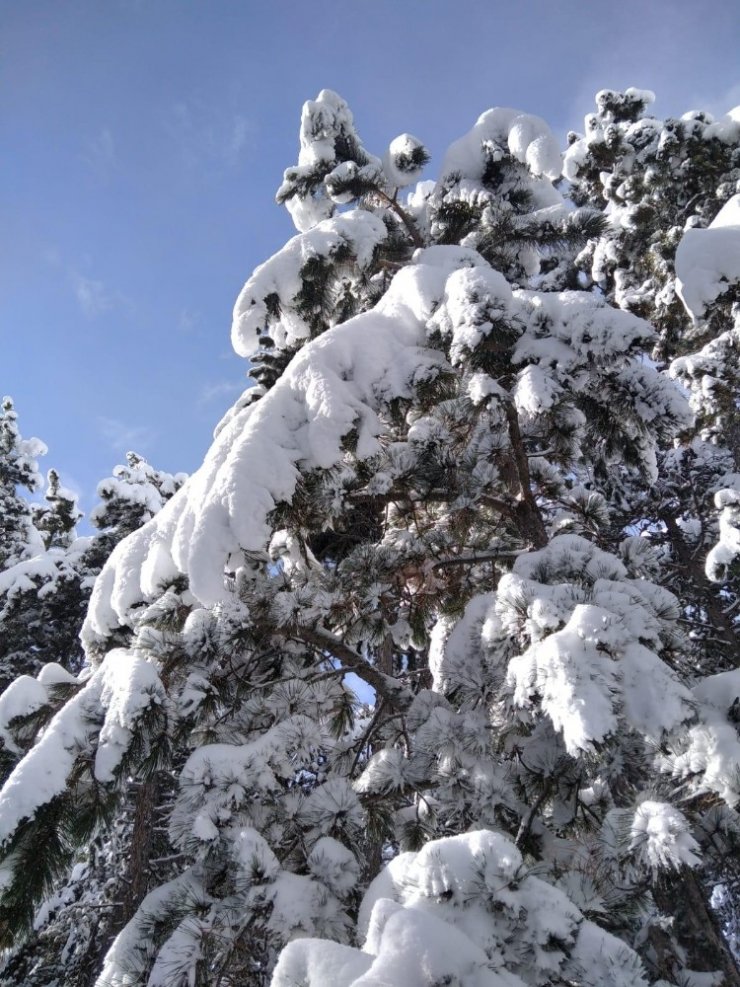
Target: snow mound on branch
660	835
279	279
592	639
708	260
24	696
128	956
329	148
336	383
463	910
400	160
710	754
528	138
722	555
124	687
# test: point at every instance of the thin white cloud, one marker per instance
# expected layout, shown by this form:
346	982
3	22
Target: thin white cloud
208	138
100	152
220	389
124	437
188	321
240	132
92	296
51	255
718	106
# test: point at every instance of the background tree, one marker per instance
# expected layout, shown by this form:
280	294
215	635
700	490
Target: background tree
43	616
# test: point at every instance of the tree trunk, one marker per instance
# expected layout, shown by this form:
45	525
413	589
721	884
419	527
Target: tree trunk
136	876
681	896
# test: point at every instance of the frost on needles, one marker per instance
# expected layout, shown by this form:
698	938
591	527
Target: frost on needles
421	678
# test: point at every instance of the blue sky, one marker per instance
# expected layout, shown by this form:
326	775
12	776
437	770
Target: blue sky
143	140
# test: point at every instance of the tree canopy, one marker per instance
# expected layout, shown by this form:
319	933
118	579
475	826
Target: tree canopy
429	674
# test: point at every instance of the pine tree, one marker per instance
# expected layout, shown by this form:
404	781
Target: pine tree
78	911
18	469
437	487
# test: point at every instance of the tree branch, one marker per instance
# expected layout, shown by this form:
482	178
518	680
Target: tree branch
527	512
403	216
391	690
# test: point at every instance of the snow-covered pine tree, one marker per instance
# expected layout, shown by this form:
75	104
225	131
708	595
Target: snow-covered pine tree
41	610
71	925
670	253
18	470
44	596
427	489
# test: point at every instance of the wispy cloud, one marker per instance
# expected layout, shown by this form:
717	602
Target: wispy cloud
93	297
124	437
209	138
239	141
100	153
219	389
719	106
188	321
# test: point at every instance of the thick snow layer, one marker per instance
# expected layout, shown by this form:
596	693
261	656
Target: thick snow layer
711	753
708	260
336	383
326	126
23	696
455	647
43	772
130	685
254	856
127	958
660	835
317	962
565	339
398	161
594	636
463	910
527	137
340	382
721	556
109	704
25	576
279	278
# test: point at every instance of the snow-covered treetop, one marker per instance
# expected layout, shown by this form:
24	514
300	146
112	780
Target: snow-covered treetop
331	156
133	494
528	138
19	538
339	384
18	465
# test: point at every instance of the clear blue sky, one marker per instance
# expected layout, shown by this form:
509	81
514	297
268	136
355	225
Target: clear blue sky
143	140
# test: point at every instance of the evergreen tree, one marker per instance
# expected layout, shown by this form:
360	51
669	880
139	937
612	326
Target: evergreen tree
670	190
18	469
436	488
78	913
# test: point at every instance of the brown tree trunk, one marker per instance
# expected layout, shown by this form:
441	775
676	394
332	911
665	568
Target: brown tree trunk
135	878
140	851
680	895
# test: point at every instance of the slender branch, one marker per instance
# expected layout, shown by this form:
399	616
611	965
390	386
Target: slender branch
526	823
528	512
403	216
478	557
393	691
